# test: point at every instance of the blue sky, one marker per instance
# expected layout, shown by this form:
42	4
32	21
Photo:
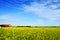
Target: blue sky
30	12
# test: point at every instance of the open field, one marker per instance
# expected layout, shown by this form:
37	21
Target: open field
11	33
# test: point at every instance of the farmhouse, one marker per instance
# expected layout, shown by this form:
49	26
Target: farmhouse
5	25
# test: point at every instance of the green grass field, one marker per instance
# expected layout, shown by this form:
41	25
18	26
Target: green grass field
29	33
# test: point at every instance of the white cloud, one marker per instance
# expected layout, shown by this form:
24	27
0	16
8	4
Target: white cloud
5	16
40	22
53	6
42	11
8	17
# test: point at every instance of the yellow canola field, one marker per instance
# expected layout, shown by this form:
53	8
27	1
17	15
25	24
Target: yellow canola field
11	33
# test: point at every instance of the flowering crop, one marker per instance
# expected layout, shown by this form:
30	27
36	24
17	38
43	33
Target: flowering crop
29	33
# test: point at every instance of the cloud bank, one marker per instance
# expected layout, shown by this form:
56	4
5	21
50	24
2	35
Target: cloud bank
44	10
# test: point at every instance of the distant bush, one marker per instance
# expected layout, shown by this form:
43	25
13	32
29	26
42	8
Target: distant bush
23	26
28	26
40	26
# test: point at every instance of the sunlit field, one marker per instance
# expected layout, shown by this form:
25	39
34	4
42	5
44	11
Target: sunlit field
11	33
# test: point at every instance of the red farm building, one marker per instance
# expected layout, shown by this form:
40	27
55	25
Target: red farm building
5	25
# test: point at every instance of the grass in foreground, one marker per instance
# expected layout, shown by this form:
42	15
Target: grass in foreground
29	33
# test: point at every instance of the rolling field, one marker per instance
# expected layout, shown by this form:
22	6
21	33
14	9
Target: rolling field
29	33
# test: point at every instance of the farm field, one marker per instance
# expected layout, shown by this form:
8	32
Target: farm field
11	33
